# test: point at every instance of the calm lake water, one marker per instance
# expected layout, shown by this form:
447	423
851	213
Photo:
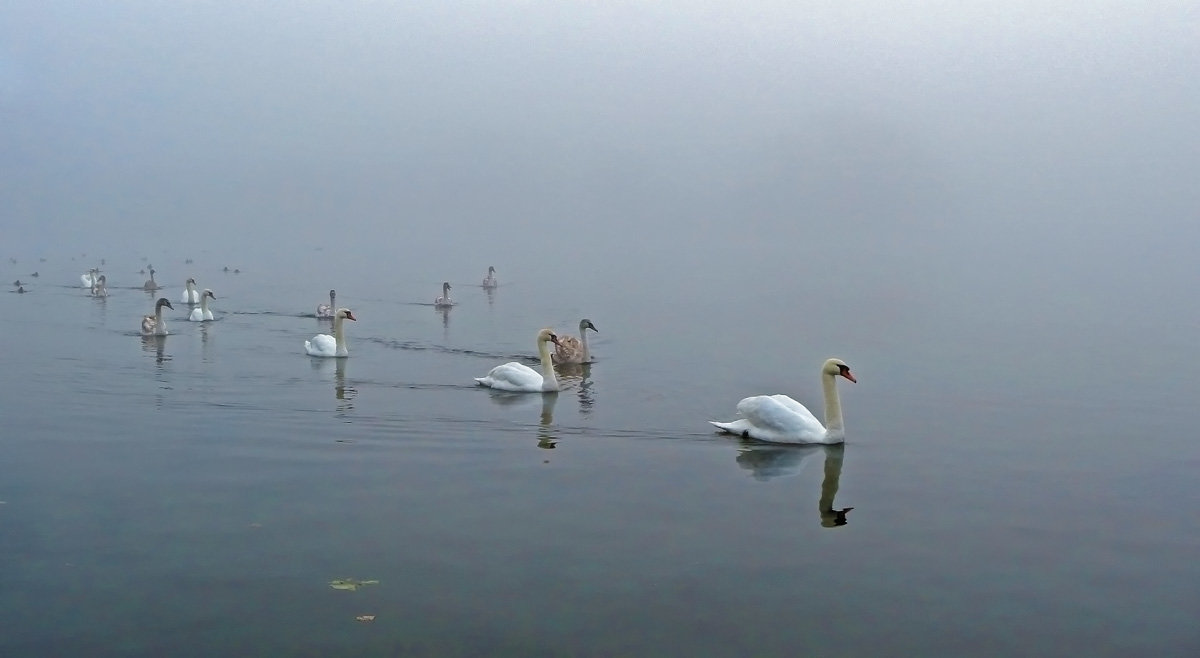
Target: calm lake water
1020	461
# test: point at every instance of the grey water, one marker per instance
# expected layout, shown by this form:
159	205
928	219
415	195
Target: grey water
988	212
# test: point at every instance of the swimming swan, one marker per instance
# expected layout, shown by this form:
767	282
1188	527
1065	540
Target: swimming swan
190	295
575	350
100	286
154	325
335	345
202	313
513	376
489	281
444	301
89	278
151	284
326	310
780	419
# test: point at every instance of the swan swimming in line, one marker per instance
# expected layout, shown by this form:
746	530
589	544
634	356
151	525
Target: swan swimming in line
326	310
518	377
100	286
202	313
155	325
575	350
489	281
780	419
190	294
335	345
444	301
151	284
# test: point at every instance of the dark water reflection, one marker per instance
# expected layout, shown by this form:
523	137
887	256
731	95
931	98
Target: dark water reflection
766	462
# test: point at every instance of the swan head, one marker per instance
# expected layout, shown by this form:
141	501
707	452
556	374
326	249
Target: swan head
208	293
445	285
191	281
837	368
546	335
163	301
331	295
102	280
587	324
346	313
491	269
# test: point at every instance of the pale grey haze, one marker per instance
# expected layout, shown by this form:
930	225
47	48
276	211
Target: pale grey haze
983	140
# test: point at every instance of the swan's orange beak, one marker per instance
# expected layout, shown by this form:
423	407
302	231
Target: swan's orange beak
845	372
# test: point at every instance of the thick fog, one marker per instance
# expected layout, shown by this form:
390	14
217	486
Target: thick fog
963	141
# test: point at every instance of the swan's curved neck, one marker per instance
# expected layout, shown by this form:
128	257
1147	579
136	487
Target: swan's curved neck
159	326
339	333
549	381
203	304
833	407
587	356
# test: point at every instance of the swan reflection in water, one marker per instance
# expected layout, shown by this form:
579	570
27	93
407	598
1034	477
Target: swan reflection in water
341	392
578	375
155	344
546	436
766	461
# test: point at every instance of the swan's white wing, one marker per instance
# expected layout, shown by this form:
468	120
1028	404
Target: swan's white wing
321	345
196	315
775	418
324	311
148	324
208	315
512	376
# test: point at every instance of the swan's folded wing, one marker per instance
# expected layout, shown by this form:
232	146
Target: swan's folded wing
512	376
568	350
780	414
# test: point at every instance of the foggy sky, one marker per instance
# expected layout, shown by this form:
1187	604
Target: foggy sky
990	130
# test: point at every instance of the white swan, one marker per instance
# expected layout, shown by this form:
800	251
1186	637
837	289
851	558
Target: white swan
155	325
489	281
513	376
444	301
190	294
780	419
89	278
151	284
326	310
575	350
202	313
335	345
100	286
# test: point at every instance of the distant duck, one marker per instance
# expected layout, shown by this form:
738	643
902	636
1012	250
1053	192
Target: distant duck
100	286
151	284
21	290
444	301
570	349
34	275
325	311
190	294
489	281
202	314
155	325
335	345
17	283
520	378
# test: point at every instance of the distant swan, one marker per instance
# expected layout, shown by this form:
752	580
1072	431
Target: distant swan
150	284
780	419
335	345
89	278
190	294
444	301
154	325
100	286
489	281
202	313
575	350
326	310
513	376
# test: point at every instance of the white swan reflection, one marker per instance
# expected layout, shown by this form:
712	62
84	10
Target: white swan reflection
766	461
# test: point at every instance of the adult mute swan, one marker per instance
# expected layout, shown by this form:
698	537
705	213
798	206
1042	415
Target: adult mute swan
202	313
190	294
335	345
780	419
100	286
89	278
489	281
326	310
444	301
155	325
575	350
518	377
150	284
